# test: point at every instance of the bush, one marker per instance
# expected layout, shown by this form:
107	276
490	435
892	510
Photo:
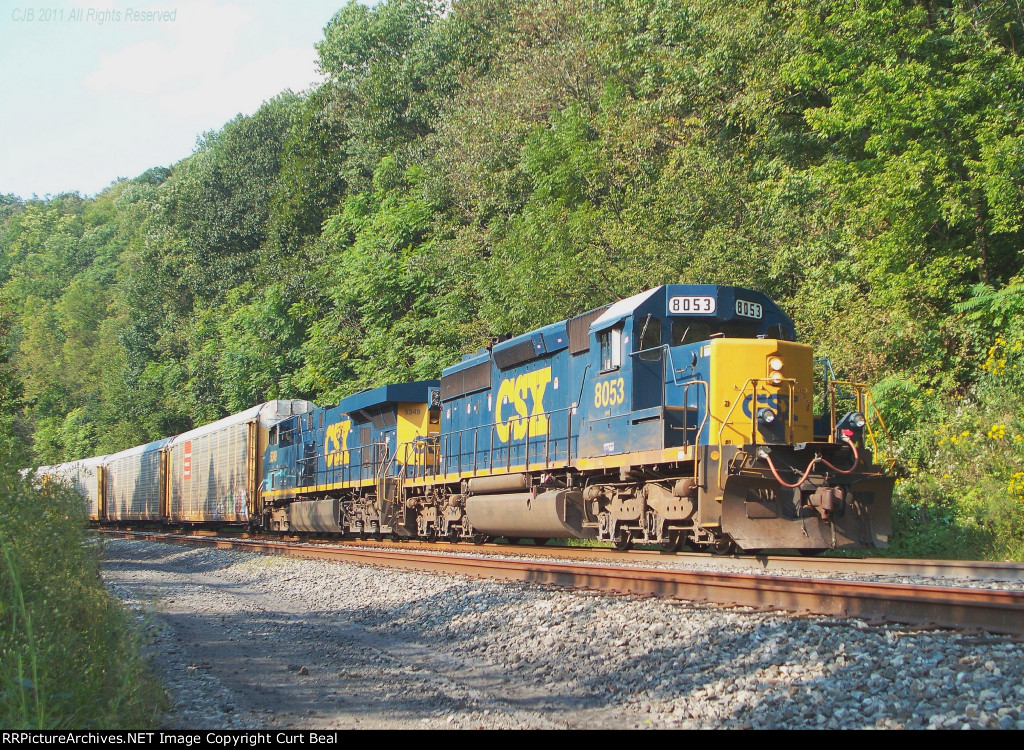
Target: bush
962	494
69	652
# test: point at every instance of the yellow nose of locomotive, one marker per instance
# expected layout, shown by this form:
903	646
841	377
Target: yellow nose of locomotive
761	392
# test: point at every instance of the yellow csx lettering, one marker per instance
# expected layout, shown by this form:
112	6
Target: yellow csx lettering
337	442
513	392
609	393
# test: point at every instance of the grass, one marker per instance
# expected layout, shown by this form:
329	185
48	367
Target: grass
70	654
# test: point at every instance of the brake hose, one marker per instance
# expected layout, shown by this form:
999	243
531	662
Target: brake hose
856	458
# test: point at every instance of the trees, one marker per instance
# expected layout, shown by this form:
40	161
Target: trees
490	167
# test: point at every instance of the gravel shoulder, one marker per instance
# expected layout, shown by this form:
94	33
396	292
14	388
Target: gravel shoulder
253	641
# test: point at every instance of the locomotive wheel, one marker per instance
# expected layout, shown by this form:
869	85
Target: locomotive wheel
431	535
453	534
622	541
811	552
541	542
512	539
480	539
722	546
673	542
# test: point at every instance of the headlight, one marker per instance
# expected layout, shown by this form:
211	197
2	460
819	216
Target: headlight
775	378
765	416
850	426
775	364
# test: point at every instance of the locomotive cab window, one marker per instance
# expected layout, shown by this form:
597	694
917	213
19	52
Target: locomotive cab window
686	331
778	332
611	349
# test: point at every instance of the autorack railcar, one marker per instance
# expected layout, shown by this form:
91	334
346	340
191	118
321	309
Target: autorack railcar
210	475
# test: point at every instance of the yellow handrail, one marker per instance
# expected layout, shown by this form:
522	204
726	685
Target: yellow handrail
864	399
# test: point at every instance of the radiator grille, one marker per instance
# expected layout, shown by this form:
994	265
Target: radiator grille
471	379
524	351
579	330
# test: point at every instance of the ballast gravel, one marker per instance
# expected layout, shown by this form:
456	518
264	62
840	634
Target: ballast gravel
254	641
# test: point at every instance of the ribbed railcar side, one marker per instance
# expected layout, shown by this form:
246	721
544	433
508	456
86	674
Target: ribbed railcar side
214	471
134	483
86	476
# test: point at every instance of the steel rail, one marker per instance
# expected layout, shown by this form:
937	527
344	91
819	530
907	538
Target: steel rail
970	570
929	606
973	570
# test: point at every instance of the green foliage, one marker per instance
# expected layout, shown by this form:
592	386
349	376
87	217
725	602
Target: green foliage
488	167
963	493
70	654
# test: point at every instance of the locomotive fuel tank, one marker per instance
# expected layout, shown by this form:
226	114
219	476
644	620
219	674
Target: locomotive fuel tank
507	505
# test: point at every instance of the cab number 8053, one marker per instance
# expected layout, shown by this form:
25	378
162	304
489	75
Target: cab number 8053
609	393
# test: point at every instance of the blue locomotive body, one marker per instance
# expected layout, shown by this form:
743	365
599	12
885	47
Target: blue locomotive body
665	417
325	470
617	380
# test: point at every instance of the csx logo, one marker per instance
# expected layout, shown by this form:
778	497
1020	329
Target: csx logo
777	402
513	415
337	442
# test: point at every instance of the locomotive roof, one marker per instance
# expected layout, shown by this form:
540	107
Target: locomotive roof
548	335
418	392
655	301
622	308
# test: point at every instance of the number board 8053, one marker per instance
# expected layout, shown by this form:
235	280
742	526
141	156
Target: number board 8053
692	305
749	309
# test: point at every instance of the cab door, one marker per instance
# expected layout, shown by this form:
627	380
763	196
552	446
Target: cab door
648	364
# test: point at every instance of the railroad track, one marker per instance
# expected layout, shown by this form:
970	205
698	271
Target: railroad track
972	570
996	611
948	570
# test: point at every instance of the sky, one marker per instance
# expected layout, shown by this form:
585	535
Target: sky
93	93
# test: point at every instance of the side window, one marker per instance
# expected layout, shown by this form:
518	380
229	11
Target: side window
273	435
611	349
778	332
650	339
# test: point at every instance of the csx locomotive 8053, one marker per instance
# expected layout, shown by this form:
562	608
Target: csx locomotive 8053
684	414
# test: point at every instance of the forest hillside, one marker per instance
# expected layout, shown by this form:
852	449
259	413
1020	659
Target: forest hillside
484	167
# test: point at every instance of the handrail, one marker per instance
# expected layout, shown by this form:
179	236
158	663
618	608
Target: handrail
790	382
862	393
686	407
445	443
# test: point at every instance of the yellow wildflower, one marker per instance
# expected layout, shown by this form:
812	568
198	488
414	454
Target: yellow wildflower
1016	486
